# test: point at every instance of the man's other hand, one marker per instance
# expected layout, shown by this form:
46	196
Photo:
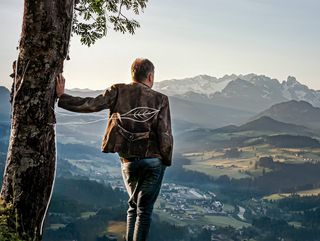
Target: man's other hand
60	82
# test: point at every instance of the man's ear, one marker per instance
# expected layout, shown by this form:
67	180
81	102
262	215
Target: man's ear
149	77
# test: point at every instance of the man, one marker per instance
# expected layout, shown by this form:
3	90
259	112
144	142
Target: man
139	130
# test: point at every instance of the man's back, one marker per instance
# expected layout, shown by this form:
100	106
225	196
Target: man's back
139	123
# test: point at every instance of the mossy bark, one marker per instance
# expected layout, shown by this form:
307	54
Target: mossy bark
30	168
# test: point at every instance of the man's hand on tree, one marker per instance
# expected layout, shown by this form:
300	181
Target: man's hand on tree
60	82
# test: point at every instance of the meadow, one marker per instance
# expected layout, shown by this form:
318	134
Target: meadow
214	163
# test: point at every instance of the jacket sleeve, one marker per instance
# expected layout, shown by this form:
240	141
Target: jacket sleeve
89	104
164	132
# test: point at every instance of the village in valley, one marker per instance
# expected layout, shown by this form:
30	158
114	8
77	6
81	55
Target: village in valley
187	205
181	202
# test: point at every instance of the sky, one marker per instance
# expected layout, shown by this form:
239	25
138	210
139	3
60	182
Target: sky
185	38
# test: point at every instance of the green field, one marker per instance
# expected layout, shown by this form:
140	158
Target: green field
228	208
225	221
116	228
88	214
56	226
308	192
215	171
167	218
97	166
215	164
220	221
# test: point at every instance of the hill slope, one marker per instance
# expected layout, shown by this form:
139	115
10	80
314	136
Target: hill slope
5	104
295	112
262	130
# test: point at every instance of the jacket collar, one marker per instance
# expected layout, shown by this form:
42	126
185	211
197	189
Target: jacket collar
136	82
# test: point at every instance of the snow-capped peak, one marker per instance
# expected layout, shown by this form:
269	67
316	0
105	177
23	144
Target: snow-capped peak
201	84
250	86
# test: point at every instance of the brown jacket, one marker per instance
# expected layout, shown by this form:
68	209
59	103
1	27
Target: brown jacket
139	123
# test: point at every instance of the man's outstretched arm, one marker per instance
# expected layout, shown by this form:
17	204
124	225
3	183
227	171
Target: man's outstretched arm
87	104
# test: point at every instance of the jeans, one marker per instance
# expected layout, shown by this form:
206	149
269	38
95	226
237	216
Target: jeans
142	179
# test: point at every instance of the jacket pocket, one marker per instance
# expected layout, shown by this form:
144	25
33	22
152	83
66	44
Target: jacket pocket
132	136
133	143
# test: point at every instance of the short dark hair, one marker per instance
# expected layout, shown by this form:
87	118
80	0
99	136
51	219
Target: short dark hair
140	69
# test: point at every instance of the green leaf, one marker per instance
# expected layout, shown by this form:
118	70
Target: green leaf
92	18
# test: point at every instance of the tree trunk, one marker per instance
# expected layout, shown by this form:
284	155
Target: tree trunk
30	168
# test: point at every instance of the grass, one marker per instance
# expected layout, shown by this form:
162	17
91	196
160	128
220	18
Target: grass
277	196
310	192
56	226
224	221
87	165
86	215
228	208
117	228
213	163
169	219
215	171
295	224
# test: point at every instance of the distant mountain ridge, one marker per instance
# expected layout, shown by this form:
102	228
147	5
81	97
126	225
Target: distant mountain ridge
295	112
209	102
5	107
201	84
258	131
193	113
208	85
84	92
265	123
249	92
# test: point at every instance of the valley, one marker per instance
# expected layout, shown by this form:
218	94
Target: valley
244	163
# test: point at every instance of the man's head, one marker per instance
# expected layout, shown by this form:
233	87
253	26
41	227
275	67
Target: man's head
142	70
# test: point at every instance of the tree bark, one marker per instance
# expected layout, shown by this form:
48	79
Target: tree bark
30	169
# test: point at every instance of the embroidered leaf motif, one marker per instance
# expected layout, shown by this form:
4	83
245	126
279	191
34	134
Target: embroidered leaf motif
140	114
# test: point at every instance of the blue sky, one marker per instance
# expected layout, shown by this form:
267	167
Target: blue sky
190	37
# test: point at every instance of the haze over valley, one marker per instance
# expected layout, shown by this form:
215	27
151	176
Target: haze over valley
246	158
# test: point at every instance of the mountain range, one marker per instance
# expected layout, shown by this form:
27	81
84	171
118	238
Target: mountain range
210	102
202	84
5	105
256	131
192	112
232	109
249	92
